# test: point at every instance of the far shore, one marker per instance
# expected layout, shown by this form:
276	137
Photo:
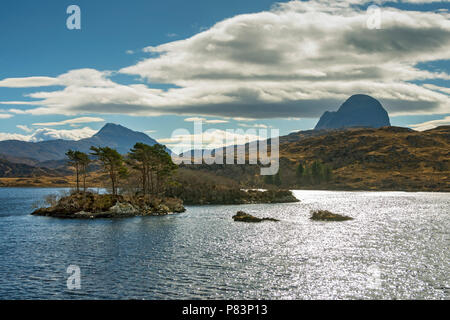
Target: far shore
316	188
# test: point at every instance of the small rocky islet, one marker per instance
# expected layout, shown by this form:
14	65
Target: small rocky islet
318	215
325	215
242	216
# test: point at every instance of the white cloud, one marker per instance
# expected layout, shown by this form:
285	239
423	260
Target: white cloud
70	121
211	121
296	60
81	77
194	119
210	139
28	82
17	111
420	1
431	124
216	121
43	134
5	116
254	125
24	128
13	136
243	119
437	88
72	134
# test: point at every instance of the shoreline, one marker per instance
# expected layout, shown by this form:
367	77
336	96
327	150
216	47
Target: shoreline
291	189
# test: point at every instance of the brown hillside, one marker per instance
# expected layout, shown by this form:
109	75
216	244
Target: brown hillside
389	158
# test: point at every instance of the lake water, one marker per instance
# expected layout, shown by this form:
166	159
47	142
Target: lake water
396	248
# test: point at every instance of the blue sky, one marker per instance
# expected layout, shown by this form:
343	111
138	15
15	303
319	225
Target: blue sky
114	75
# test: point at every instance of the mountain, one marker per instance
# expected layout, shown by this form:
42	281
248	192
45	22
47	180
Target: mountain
17	170
111	135
118	137
358	111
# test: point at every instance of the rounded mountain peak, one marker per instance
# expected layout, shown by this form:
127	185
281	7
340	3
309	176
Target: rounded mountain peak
360	102
360	110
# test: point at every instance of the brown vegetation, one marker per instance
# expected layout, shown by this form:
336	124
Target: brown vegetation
197	187
388	158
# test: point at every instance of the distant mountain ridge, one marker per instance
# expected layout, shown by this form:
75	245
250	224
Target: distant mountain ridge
18	170
111	135
359	110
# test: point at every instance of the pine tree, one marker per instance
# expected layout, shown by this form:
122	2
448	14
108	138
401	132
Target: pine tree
300	171
316	171
327	173
80	161
268	179
277	179
112	163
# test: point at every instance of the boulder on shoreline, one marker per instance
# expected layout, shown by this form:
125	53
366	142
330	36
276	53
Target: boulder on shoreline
241	216
325	215
90	206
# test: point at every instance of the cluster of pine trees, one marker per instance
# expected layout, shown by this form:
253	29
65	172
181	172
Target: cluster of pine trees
314	173
305	174
274	180
153	165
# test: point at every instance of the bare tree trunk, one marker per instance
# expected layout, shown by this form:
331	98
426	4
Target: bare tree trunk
113	181
113	187
151	181
77	169
84	181
144	179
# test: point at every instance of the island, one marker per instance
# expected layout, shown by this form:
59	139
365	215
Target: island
242	216
325	215
144	182
91	205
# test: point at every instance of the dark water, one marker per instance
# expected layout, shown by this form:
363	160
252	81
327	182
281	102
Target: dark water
396	248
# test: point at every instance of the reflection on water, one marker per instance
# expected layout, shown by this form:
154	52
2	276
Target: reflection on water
396	248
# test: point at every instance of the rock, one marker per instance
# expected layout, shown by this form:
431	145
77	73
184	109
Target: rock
324	215
359	110
83	214
163	209
245	217
123	209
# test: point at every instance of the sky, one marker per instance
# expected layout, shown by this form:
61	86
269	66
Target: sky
157	66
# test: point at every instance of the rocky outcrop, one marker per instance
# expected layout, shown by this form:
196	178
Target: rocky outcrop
358	111
90	206
123	209
241	216
324	215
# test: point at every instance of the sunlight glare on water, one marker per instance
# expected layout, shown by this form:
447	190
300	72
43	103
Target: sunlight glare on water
397	247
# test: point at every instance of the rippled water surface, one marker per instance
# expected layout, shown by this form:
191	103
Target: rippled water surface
396	248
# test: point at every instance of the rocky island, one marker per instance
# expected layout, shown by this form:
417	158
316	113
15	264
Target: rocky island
91	205
242	216
325	215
